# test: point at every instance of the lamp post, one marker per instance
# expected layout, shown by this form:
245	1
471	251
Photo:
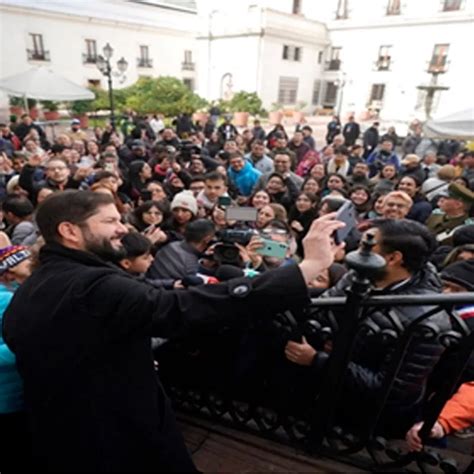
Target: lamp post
105	67
340	83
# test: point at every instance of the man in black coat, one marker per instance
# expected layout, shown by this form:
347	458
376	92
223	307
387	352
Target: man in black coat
80	329
406	247
351	131
371	139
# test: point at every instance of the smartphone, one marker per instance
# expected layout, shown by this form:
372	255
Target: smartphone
241	214
224	201
273	249
150	228
346	214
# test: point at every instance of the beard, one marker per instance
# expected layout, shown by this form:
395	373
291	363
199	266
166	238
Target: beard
102	247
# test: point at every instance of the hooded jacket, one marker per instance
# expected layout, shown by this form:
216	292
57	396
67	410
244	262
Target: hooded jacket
245	179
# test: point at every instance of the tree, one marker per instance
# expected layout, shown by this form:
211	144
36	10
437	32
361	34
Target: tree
166	95
245	102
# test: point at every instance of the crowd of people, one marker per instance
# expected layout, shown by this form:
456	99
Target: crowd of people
167	194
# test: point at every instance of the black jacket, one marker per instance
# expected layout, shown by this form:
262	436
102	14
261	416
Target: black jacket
351	132
372	354
80	329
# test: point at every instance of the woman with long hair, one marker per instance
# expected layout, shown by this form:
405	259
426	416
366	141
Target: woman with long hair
301	216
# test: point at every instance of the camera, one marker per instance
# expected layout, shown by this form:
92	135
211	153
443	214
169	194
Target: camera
186	149
226	252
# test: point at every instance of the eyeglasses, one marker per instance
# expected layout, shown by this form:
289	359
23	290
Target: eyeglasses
272	230
395	204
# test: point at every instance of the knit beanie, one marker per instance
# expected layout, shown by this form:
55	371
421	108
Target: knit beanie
461	273
185	200
11	256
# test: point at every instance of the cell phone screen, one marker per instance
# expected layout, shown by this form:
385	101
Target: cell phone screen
346	214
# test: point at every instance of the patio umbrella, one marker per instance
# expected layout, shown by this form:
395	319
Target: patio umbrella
459	126
43	84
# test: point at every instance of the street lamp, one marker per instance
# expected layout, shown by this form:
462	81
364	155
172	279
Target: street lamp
104	66
340	83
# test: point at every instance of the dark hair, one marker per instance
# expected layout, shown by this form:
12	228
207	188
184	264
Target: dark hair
196	178
412	239
135	245
103	175
146	206
333	203
342	150
331	175
257	142
18	206
414	178
215	176
276	175
68	206
196	230
307	127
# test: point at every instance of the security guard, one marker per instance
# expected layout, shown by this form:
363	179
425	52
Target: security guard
454	205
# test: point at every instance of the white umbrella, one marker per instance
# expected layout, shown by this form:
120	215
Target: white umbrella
43	84
458	126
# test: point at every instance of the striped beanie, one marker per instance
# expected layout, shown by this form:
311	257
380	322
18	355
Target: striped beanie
11	256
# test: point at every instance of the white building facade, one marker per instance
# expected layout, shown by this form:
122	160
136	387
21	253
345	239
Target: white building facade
352	56
156	38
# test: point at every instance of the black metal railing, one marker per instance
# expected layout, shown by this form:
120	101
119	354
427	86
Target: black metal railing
37	55
89	58
144	62
333	65
240	376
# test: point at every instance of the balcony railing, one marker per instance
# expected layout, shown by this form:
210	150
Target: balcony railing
382	64
144	62
333	65
89	59
187	66
36	55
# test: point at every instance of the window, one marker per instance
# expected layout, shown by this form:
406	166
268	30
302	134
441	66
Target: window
383	61
144	59
291	53
287	90
316	92
297	55
342	12
189	82
188	64
393	7
377	92
451	5
297	7
320	57
334	63
438	61
330	94
90	56
37	52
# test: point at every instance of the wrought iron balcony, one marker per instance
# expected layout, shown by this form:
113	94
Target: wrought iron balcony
383	63
37	55
89	59
187	66
144	62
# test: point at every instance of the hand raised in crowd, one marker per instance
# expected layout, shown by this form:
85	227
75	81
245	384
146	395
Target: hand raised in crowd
82	173
300	353
295	225
5	164
155	235
249	253
176	167
35	160
319	249
413	439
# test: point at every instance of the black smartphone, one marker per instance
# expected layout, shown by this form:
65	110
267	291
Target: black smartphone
346	214
224	201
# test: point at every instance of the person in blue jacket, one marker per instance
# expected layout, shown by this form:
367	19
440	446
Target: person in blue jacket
243	174
14	268
382	156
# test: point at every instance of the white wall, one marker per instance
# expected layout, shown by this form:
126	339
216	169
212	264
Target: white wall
64	37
